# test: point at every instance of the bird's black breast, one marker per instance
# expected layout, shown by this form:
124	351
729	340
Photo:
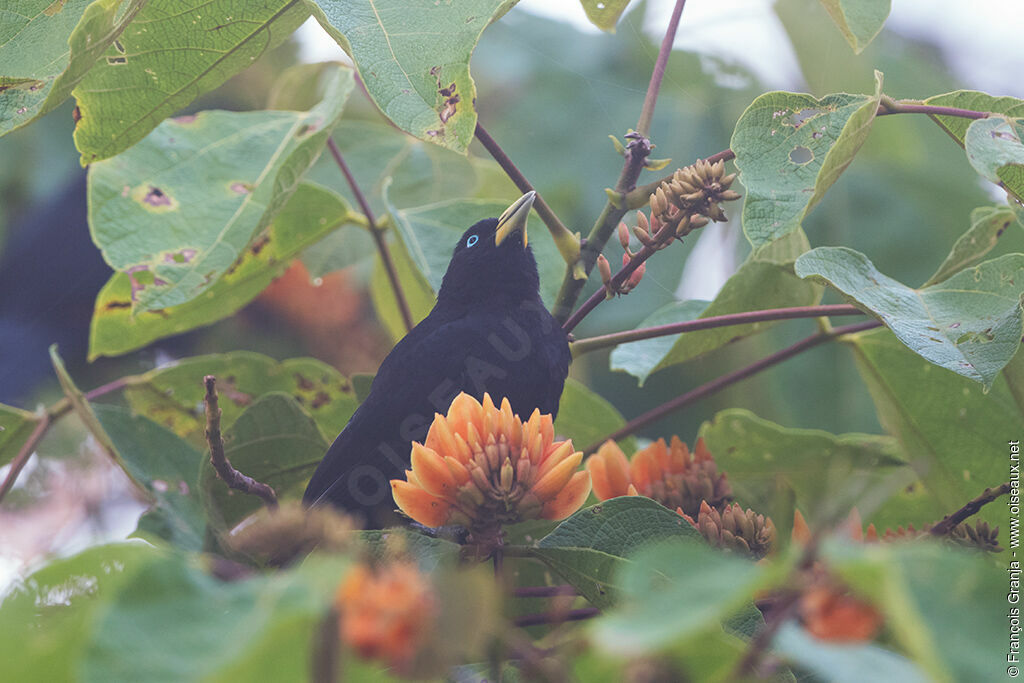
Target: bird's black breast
516	351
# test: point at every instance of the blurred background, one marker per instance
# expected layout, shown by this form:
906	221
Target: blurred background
551	88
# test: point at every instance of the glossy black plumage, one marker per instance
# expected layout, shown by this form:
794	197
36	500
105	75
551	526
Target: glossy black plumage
489	331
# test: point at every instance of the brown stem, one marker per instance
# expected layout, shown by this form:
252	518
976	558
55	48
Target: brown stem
589	344
890	106
557	617
377	233
720	383
643	126
228	474
950	521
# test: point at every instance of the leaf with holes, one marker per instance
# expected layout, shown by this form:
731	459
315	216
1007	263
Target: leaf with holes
173	52
312	213
589	548
203	187
952	433
790	149
988	223
970	324
414	59
858	20
47	47
274	441
996	152
604	14
173	396
15	427
164	466
765	280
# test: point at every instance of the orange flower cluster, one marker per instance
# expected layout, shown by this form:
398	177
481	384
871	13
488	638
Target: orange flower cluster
482	466
386	614
669	474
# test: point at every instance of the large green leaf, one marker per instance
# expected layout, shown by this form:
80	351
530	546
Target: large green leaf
179	208
47	47
173	52
791	148
765	280
828	473
419	295
589	548
640	358
953	434
938	602
701	584
584	416
167	468
604	14
970	324
274	441
988	223
995	150
48	618
310	214
858	20
173	396
414	59
15	427
173	622
972	100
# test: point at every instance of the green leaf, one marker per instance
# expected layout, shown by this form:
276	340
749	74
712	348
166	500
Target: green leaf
953	433
987	225
173	622
173	52
640	358
791	148
973	100
858	20
938	602
431	232
844	662
173	396
671	592
414	59
418	293
79	403
46	48
604	14
590	547
765	280
167	468
310	214
430	553
996	152
584	416
970	324
16	426
275	442
828	473
204	187
49	617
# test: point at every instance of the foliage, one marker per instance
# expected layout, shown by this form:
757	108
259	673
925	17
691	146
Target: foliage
200	206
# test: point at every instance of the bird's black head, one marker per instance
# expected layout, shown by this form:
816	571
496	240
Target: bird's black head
492	262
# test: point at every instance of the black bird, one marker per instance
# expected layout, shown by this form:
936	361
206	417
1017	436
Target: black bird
488	332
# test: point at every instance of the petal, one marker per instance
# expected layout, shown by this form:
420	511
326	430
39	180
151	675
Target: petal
599	477
464	411
700	451
617	468
643	470
458	470
678	456
424	508
550	484
801	533
569	499
432	472
554	457
440	438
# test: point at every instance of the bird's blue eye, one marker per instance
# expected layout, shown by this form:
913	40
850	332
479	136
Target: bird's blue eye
472	240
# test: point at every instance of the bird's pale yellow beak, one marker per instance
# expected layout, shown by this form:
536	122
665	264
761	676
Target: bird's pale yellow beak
514	218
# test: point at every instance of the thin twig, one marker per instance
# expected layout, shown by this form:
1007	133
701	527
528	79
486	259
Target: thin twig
949	522
720	383
556	617
890	106
643	126
26	451
228	474
637	151
377	233
581	346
